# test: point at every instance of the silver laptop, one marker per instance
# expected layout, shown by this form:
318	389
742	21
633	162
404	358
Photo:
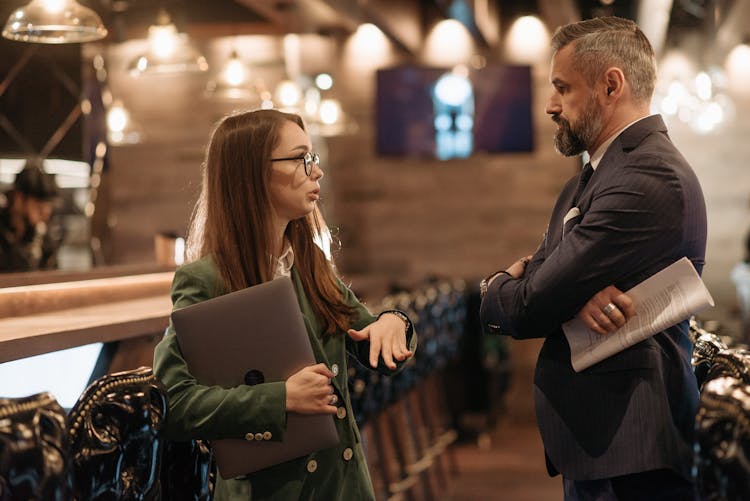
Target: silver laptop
252	336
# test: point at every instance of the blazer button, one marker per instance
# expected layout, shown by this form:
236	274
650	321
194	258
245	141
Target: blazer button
312	465
249	436
258	436
341	412
267	435
335	369
348	453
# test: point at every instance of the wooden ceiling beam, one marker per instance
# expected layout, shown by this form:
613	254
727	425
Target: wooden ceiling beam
228	29
381	14
269	10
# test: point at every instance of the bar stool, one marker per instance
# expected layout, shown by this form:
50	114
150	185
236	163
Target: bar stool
115	440
33	449
722	449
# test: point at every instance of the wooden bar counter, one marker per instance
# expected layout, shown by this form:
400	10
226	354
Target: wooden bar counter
46	317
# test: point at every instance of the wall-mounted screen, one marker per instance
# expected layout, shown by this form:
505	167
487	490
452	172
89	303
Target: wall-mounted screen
444	113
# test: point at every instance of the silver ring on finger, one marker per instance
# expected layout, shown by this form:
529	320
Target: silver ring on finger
609	308
334	399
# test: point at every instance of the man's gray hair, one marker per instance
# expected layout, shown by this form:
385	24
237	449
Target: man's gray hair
603	42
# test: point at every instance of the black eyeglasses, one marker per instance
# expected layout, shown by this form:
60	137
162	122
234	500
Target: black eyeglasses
310	158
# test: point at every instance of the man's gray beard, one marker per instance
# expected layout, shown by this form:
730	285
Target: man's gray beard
574	140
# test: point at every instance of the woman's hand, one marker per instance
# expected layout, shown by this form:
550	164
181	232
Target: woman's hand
387	338
607	311
309	391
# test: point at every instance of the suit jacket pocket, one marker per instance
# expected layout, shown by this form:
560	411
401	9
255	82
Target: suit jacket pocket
570	224
593	402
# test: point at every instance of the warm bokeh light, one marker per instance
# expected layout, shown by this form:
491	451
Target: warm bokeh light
117	117
738	68
693	97
453	89
367	48
449	43
703	85
54	6
330	111
163	40
179	251
235	72
675	65
324	81
369	33
169	52
527	41
288	94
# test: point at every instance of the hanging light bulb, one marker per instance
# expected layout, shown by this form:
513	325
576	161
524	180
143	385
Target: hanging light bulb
235	72
169	51
120	128
232	82
117	117
54	22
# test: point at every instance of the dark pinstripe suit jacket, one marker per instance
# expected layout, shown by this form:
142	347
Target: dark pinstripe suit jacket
641	210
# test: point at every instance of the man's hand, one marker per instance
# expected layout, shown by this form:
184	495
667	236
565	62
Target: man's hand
517	269
387	337
607	311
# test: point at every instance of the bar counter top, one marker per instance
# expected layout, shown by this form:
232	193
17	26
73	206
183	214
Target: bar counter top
42	318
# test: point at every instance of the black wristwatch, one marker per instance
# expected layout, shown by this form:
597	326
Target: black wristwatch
400	314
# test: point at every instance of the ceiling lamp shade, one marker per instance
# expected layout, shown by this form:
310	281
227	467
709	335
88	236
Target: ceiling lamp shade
54	22
168	51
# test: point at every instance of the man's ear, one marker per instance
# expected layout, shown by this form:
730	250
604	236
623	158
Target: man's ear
614	80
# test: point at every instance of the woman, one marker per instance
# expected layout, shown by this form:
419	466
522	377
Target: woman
256	220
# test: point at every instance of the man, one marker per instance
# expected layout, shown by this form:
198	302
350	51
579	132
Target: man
621	429
26	240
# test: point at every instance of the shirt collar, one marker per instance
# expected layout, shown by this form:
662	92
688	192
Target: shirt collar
284	263
597	156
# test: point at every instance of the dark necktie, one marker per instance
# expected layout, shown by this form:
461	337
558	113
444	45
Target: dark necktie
585	176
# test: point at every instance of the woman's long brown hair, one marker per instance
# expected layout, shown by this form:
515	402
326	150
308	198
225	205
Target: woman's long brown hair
231	218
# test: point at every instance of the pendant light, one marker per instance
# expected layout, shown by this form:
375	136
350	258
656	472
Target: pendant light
54	22
168	52
233	81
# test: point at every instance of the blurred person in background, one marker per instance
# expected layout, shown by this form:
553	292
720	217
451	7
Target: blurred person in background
28	238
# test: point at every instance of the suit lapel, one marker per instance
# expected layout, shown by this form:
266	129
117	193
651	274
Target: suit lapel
315	331
562	209
626	141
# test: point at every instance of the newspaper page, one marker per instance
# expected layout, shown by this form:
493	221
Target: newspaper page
670	296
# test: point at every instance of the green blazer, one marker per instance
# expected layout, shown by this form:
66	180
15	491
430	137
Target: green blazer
209	413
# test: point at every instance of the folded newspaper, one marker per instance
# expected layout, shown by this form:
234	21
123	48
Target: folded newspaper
667	298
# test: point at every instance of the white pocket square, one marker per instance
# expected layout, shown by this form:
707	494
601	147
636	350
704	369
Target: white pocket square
574	212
